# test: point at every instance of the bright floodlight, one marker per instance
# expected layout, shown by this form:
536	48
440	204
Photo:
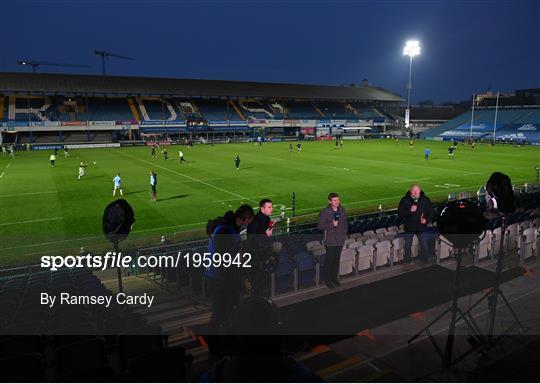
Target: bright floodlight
412	48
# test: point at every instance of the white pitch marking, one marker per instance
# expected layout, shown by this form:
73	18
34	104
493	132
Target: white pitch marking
190	177
402	180
99	237
27	193
255	197
7	166
32	221
196	181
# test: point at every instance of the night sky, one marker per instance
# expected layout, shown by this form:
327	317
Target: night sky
467	46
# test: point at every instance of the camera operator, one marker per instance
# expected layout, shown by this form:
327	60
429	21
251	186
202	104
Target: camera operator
225	284
333	221
416	212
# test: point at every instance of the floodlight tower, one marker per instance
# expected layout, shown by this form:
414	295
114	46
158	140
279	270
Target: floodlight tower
411	49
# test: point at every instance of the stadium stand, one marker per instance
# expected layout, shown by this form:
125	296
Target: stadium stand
106	109
39	109
301	110
160	106
217	111
187	109
255	110
370	113
75	137
513	123
277	110
42	138
28	108
333	110
157	109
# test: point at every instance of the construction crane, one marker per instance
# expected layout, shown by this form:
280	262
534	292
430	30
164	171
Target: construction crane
35	64
105	54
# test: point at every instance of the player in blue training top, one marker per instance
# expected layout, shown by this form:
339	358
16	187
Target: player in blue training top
117	185
427	152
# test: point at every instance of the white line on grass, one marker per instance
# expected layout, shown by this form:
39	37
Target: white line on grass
27	193
191	178
97	237
32	221
7	166
402	180
207	180
476	173
255	197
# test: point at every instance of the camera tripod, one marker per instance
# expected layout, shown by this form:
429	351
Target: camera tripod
489	340
454	311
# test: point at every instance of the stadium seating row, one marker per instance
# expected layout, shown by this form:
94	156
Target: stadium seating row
41	109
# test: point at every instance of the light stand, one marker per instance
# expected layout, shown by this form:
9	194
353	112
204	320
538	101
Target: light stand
118	269
454	310
492	298
460	225
118	218
500	195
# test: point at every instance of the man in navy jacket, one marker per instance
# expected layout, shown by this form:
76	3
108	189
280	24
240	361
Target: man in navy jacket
416	212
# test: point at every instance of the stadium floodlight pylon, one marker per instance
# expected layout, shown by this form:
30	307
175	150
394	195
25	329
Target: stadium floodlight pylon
105	54
411	49
35	64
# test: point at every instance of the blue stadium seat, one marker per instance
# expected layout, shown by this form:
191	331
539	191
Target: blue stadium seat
284	275
306	271
217	111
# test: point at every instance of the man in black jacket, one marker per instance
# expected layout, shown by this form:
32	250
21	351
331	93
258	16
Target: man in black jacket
262	248
416	212
226	282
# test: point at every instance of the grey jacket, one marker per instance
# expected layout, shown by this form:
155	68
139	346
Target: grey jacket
333	236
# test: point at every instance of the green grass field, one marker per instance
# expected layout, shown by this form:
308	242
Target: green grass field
46	210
